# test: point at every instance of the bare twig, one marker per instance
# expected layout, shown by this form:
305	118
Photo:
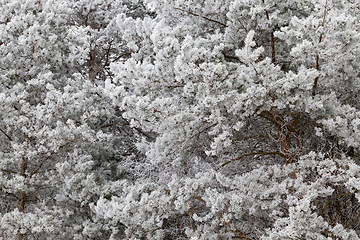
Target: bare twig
237	231
12	195
197	134
38	9
120	56
250	154
177	217
51	154
357	217
9	171
247	137
8	199
131	233
200	78
336	197
6	134
197	15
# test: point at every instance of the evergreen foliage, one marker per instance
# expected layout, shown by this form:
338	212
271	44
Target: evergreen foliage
179	119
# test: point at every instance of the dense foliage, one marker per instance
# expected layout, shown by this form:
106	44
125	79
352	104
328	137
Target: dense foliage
179	119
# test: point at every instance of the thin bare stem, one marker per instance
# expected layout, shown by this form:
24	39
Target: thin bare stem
336	197
177	217
250	154
197	15
6	134
357	217
237	231
197	134
9	171
47	158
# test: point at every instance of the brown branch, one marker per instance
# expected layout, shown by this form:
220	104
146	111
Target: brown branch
9	171
338	196
83	75
41	164
242	25
268	116
38	189
120	56
33	200
294	122
38	8
237	231
273	56
6	134
231	57
131	233
317	55
271	38
257	74
295	113
107	54
317	78
271	118
108	125
284	134
352	221
51	154
190	218
197	15
200	78
177	217
247	137
197	134
198	198
236	58
250	154
12	195
8	199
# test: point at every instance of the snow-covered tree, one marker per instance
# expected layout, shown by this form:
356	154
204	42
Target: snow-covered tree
255	109
61	138
179	119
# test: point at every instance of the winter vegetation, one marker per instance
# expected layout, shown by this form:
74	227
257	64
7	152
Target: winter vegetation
179	119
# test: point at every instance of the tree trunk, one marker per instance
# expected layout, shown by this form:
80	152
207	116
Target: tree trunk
22	195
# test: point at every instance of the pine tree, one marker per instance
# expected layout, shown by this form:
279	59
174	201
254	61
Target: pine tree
62	140
179	119
255	109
